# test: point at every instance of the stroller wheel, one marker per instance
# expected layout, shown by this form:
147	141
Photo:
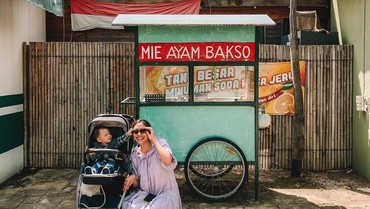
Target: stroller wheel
78	192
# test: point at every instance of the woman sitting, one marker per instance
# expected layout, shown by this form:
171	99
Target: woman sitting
152	172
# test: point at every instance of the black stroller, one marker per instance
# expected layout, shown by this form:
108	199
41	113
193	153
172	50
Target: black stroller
105	190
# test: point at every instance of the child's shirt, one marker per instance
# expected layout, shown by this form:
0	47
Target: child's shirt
113	144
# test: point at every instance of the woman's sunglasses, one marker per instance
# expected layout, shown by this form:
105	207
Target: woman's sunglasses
136	131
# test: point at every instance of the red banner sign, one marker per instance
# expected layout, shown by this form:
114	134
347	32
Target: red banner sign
209	51
90	14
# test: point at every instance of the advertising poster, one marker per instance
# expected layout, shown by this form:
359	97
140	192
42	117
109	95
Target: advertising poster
172	81
223	83
211	83
276	93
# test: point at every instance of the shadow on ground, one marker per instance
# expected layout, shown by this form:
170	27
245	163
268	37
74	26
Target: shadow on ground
56	188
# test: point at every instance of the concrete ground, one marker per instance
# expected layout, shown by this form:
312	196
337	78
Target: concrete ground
56	188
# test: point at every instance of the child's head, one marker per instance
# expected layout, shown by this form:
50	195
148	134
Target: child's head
102	135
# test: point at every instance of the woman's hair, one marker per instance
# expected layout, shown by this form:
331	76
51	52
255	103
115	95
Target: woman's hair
145	122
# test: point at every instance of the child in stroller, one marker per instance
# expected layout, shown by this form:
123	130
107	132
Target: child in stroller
102	190
104	162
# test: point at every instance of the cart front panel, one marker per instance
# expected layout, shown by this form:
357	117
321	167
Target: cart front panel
184	126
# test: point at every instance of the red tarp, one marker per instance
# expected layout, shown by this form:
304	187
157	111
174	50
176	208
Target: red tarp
89	14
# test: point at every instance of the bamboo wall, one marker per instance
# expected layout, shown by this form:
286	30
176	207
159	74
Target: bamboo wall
67	84
328	111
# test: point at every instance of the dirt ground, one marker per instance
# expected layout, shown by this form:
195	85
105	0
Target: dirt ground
339	187
56	188
333	179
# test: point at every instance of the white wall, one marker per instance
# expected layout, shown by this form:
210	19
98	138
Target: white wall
354	20
20	22
13	159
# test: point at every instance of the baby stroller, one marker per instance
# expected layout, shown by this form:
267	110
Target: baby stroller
105	190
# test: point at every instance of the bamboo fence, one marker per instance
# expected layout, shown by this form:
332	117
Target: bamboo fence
67	84
328	111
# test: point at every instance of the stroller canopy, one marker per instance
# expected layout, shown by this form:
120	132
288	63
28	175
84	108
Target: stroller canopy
117	121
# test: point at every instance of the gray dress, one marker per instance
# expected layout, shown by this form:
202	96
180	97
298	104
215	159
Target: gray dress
155	178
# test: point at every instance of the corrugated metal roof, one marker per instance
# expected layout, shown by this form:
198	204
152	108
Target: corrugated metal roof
192	20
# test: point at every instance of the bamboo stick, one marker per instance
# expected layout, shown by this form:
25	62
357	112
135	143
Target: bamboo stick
320	110
54	102
69	106
25	60
324	125
47	112
39	103
308	102
59	105
339	111
318	105
32	106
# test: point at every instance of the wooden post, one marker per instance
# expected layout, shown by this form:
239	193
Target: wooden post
298	121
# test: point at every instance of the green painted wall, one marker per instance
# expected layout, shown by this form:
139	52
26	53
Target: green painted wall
184	126
163	34
352	17
11	124
11	127
11	100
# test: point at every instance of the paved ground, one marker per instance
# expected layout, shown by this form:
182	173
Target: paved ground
56	188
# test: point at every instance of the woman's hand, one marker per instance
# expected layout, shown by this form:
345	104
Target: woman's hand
91	151
164	155
130	180
129	132
150	134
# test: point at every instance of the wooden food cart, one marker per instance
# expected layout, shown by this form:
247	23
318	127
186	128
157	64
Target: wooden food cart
197	84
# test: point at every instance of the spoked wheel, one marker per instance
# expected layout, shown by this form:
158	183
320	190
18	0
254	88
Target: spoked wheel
197	170
216	168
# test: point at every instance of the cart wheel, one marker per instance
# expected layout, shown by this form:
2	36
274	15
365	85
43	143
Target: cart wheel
216	168
198	171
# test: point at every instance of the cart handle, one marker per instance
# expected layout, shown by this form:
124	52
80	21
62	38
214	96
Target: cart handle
129	100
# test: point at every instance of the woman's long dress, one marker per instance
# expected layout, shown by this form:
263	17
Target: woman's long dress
155	178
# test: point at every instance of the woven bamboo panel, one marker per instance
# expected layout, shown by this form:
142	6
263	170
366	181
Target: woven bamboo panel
328	111
70	83
67	84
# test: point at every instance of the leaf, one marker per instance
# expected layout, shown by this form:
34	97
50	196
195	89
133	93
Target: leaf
287	86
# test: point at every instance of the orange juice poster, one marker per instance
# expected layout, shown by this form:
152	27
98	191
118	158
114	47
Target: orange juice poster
276	93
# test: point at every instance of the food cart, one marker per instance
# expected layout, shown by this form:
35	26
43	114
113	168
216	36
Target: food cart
196	82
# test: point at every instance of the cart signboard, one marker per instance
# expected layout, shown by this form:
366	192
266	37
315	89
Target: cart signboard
197	83
209	51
